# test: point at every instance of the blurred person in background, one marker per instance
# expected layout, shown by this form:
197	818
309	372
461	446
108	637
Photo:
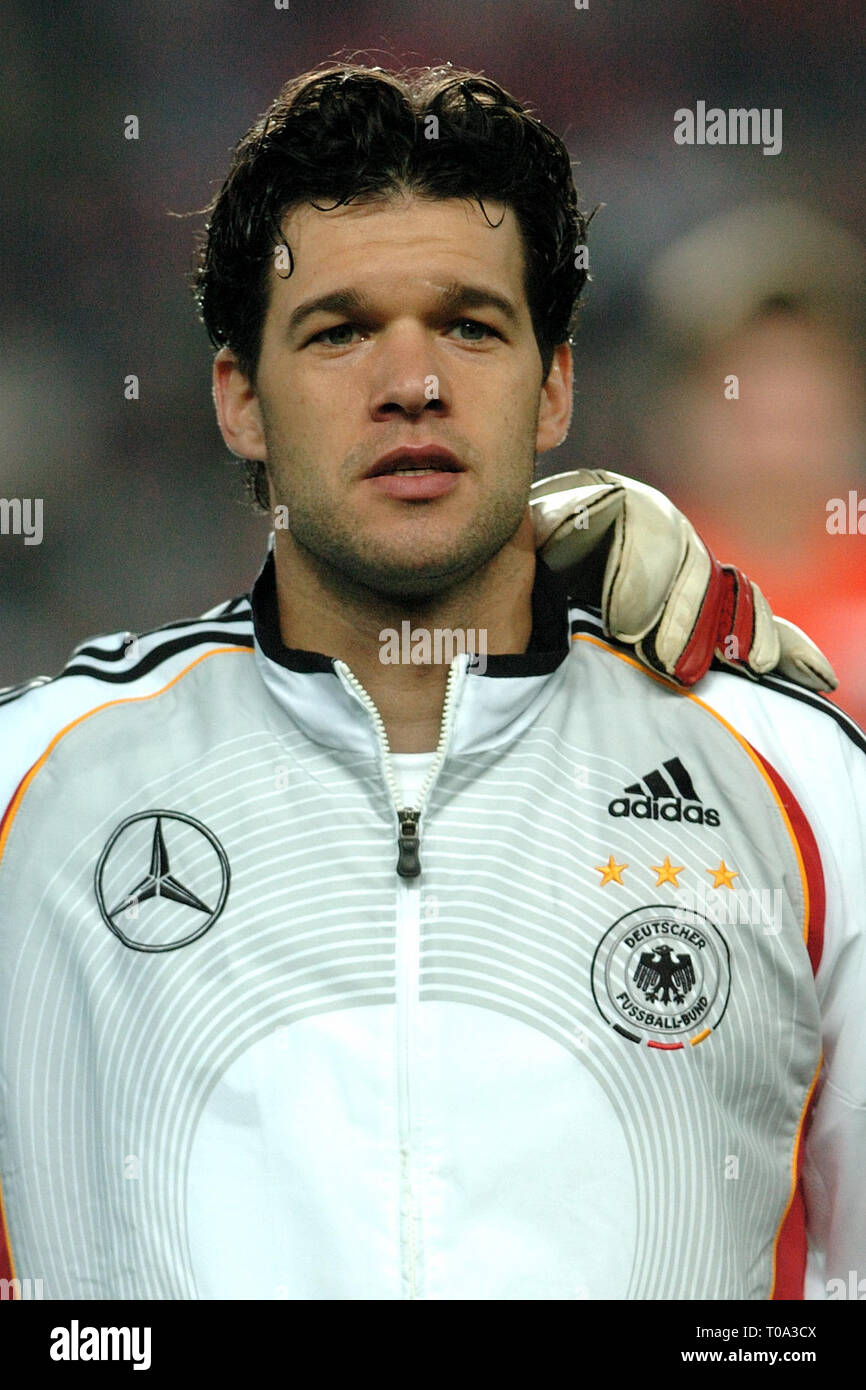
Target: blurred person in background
757	427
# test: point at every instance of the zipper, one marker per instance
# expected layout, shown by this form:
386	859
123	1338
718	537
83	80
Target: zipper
408	970
408	817
407	962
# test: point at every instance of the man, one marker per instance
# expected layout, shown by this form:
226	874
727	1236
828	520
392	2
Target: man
330	973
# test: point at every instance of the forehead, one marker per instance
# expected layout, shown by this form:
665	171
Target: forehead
396	242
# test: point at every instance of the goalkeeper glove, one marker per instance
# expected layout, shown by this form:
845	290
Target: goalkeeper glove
662	590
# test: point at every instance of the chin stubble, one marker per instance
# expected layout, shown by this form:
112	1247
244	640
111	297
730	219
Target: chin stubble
342	556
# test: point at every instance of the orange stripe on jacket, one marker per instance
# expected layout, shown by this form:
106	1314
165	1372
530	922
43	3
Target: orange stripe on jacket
790	1249
7	1263
790	1246
14	804
744	744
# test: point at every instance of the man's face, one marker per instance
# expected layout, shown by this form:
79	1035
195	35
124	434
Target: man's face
403	327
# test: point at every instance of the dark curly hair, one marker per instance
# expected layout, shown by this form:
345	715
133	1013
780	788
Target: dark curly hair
345	132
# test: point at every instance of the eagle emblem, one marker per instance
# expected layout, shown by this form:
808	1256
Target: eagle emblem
661	976
664	976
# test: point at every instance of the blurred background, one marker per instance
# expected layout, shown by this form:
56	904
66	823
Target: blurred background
708	263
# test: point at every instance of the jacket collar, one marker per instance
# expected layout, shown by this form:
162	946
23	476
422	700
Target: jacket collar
491	706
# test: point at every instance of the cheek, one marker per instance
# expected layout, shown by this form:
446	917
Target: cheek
500	399
516	414
299	410
322	404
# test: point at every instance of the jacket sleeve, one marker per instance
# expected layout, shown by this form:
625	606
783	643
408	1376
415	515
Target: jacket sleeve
834	1154
821	755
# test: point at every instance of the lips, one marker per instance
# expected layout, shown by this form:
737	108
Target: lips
418	456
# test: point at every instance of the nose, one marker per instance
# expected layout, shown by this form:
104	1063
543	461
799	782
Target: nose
407	379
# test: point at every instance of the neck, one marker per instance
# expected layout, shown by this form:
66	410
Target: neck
321	611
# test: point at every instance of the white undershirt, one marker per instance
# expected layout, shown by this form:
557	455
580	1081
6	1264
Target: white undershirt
410	769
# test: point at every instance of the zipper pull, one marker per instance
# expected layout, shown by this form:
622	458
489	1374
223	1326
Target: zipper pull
408	864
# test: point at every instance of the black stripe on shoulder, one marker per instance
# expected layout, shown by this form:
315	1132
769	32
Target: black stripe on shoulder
233	605
586	612
118	653
819	702
595	628
584	623
156	657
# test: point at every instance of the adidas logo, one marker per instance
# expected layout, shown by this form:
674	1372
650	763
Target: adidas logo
655	798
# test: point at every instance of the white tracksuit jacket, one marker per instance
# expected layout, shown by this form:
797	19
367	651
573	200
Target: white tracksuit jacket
608	1043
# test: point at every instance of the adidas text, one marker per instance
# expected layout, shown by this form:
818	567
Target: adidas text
650	808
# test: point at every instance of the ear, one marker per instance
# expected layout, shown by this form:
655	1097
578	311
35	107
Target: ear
237	407
554	416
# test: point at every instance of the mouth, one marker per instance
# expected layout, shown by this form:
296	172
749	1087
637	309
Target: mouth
413	460
415	473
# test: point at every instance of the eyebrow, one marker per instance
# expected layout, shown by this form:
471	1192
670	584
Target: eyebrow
452	299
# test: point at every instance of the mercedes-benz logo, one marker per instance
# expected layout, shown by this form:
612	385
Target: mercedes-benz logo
126	847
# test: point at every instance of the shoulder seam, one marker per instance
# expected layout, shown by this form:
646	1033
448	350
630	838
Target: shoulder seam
114	653
233	611
148	663
583	620
817	702
156	657
54	740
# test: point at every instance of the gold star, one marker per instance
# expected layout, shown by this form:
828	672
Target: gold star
667	872
723	876
611	872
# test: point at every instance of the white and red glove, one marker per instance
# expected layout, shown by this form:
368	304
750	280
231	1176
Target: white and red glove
662	590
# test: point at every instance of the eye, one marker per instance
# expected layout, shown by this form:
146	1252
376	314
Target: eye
477	331
338	335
